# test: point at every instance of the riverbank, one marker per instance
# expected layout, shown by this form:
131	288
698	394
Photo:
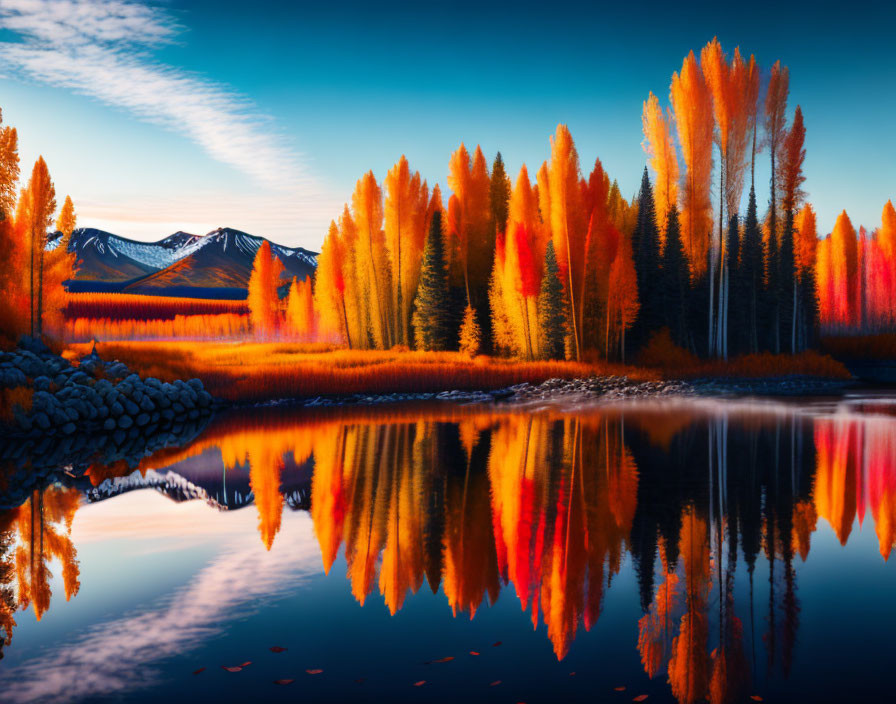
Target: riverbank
253	372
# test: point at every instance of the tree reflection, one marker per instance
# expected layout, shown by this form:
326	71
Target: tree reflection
714	507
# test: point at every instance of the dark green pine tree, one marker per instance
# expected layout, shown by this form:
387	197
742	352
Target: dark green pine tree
807	331
646	251
737	292
751	279
787	293
499	194
432	305
675	281
551	311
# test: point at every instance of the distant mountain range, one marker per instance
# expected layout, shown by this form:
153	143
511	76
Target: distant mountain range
216	265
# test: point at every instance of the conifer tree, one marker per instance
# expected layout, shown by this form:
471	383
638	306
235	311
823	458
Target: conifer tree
646	246
263	297
751	275
675	281
551	309
499	194
431	324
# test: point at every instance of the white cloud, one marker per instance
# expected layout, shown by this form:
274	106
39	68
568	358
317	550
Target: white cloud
102	49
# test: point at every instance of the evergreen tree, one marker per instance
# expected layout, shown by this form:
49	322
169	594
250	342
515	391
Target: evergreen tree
772	290
786	288
499	194
646	249
432	302
675	281
808	307
750	278
551	309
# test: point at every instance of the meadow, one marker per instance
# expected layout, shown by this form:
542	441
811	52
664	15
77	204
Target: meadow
258	371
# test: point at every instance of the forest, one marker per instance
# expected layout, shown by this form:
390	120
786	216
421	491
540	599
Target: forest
559	266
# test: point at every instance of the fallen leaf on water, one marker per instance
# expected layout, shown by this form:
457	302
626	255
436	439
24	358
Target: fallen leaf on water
360	680
620	689
196	672
756	698
432	662
231	669
495	683
313	672
640	698
283	681
572	674
496	644
246	664
473	652
276	649
420	683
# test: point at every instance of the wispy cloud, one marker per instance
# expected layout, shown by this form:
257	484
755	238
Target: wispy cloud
104	49
101	49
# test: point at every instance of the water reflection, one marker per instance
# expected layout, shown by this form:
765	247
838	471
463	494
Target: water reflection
692	496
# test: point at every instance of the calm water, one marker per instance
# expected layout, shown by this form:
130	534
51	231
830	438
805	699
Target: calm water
684	550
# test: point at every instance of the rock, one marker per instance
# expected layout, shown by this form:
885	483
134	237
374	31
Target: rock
68	428
116	409
142	419
125	422
109	424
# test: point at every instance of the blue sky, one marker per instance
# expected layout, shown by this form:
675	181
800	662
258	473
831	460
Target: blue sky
192	115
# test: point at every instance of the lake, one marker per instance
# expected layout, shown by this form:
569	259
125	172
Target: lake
685	549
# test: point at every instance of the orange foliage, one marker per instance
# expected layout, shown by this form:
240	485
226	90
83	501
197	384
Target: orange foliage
660	146
124	306
692	102
227	326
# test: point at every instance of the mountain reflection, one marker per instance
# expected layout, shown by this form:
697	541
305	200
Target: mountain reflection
550	505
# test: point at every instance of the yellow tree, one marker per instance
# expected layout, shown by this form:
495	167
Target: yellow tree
568	226
692	103
59	268
405	215
263	297
623	303
300	318
12	248
660	147
844	261
373	264
329	287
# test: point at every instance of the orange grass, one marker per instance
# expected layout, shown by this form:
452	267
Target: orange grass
254	371
129	306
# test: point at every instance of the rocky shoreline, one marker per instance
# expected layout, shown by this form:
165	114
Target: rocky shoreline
602	389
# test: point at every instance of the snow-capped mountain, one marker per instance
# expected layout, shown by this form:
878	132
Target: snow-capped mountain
216	265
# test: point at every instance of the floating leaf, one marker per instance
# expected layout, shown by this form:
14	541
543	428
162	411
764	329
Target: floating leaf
495	683
360	680
201	669
640	698
572	674
283	681
313	672
619	689
276	649
432	662
496	644
246	664
473	652
231	669
420	683
756	698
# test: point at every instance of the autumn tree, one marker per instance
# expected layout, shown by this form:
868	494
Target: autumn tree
844	261
660	147
373	264
329	287
13	250
562	207
692	104
623	303
551	309
405	216
431	328
791	178
59	269
470	335
263	295
41	204
300	316
805	252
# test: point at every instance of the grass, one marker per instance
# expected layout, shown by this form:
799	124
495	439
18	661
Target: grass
257	371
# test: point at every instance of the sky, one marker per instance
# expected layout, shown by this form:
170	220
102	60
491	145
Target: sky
164	116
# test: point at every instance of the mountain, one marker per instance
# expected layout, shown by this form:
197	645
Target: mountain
216	265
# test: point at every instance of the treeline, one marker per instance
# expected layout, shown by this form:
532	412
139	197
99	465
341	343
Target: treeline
564	265
32	276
